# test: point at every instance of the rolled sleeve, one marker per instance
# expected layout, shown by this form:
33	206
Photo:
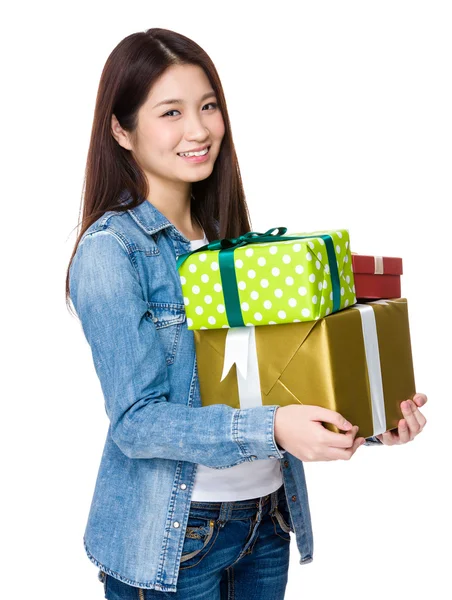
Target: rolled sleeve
253	431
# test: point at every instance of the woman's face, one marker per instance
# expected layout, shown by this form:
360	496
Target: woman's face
165	129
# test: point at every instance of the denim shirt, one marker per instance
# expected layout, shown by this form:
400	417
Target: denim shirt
126	291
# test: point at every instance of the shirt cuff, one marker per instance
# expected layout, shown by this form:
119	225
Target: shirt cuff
253	430
373	441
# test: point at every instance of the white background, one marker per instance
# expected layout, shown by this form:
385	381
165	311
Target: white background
341	116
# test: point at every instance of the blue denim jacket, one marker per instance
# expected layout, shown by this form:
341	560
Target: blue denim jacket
126	290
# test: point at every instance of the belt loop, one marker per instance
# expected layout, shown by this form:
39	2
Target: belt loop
225	513
274	499
260	504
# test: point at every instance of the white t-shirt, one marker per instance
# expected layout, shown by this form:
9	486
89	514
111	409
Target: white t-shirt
240	482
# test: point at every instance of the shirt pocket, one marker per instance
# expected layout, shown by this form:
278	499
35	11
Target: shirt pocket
167	318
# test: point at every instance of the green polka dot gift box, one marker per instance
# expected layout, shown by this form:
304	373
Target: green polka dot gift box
267	279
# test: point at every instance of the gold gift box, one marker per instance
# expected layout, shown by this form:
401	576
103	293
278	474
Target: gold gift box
320	363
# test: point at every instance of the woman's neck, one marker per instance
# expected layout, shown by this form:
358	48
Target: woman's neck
180	217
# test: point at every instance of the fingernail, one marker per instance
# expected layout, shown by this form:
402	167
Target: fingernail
347	424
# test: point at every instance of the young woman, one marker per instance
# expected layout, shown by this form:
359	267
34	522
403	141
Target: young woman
190	500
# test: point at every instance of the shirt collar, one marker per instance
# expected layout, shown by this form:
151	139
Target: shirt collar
150	219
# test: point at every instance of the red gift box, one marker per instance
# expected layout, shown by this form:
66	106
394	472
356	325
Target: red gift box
376	276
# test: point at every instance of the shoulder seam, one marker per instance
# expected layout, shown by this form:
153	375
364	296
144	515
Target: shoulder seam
122	241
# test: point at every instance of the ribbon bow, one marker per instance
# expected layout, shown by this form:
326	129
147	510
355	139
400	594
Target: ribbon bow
251	237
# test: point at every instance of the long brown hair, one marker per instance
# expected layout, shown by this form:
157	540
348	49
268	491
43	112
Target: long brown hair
129	72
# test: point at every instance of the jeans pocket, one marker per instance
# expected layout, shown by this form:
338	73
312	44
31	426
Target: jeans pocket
281	519
200	537
284	510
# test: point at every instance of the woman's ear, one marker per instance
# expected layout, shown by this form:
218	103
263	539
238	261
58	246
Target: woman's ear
119	134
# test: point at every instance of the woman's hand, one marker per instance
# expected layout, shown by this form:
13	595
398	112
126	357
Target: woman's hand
299	429
409	427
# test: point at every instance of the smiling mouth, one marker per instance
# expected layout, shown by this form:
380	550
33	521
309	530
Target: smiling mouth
202	153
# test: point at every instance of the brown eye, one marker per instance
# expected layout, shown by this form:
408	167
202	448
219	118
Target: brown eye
170	111
214	104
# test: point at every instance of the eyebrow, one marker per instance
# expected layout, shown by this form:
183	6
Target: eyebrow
178	101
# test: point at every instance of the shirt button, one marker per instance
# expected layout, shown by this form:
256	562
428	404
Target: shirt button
183	486
294	497
286	463
271	456
176	524
155	319
253	457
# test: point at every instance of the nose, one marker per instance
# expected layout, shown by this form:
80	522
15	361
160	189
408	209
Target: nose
196	129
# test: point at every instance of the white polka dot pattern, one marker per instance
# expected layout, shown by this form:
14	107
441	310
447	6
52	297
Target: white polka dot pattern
277	282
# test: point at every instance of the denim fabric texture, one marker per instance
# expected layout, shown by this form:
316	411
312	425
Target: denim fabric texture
231	550
126	291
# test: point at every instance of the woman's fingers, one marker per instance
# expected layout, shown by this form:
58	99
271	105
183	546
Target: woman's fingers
389	438
409	427
339	440
404	432
335	452
419	416
409	409
420	399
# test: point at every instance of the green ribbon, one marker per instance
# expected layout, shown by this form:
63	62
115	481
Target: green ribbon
226	246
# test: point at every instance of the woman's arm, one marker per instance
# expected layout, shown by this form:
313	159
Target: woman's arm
130	362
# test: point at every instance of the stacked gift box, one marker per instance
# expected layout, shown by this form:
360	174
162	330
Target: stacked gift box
377	276
287	319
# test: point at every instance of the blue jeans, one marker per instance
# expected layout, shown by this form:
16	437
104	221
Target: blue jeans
232	551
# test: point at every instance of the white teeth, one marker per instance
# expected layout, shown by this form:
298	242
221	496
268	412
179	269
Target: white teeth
202	153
